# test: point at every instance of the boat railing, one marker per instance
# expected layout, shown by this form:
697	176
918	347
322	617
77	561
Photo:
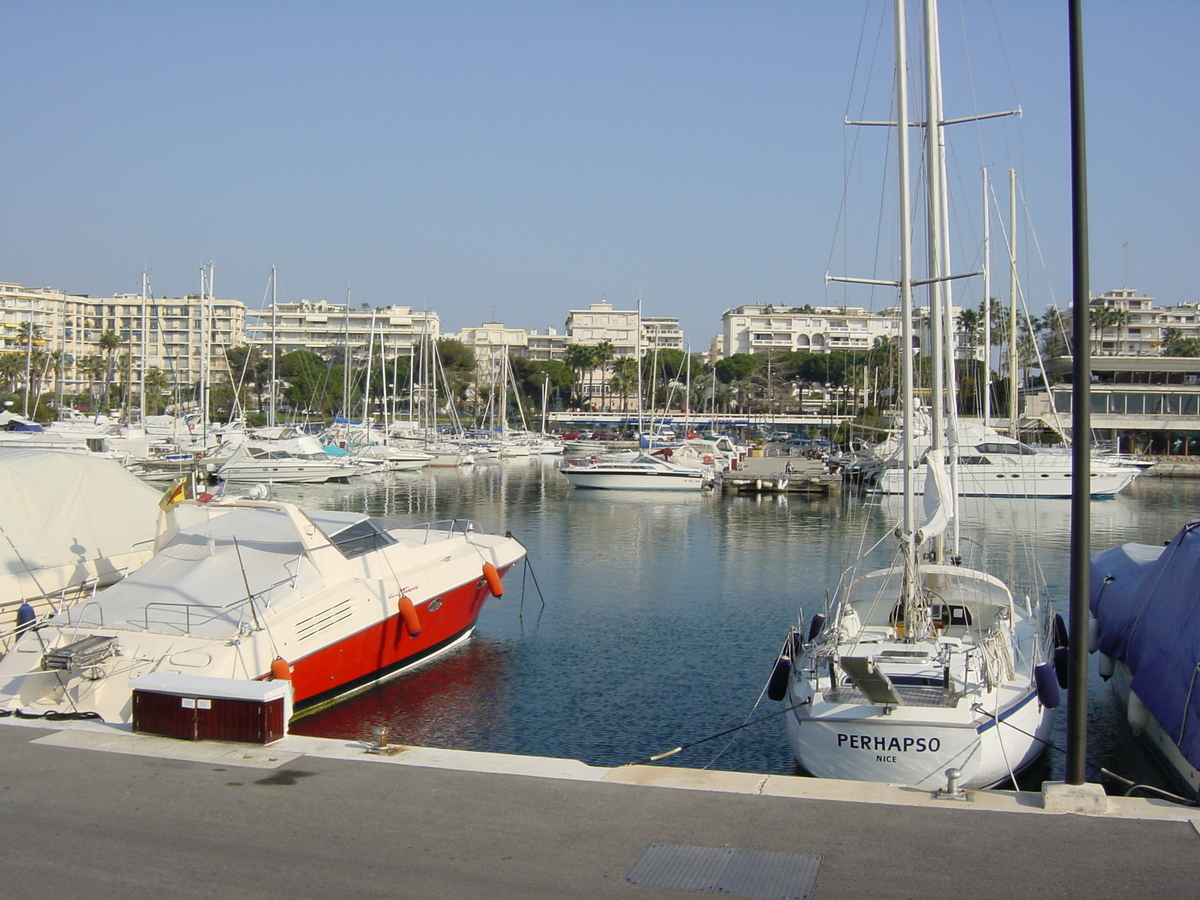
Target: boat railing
190	612
58	601
133	548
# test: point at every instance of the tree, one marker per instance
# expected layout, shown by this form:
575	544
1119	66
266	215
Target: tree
624	379
91	368
580	358
738	367
603	355
1103	318
156	387
109	341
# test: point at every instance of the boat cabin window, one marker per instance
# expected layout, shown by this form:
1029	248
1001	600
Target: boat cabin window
361	537
1011	449
974	461
944	615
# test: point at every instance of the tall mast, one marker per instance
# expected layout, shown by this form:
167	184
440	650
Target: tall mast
145	354
909	524
1012	296
274	332
638	356
206	289
987	300
935	148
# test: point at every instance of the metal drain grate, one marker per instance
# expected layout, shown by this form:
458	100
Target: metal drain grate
721	870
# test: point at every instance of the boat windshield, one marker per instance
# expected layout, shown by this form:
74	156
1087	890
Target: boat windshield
361	537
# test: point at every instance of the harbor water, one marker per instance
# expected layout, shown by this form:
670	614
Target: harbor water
646	622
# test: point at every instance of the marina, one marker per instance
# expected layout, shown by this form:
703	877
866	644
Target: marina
647	621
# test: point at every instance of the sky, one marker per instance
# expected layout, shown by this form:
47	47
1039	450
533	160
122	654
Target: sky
511	160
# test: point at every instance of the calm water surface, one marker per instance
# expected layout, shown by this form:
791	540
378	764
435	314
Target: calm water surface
660	616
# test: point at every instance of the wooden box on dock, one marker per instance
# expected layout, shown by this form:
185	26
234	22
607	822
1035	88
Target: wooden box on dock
197	708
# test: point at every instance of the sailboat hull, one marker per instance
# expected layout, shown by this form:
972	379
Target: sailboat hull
912	748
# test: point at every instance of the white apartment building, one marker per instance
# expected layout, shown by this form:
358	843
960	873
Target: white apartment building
759	328
550	345
157	333
623	329
1143	329
329	329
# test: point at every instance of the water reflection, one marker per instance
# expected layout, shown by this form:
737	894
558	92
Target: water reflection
663	614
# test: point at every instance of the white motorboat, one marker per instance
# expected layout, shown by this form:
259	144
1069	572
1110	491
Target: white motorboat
642	473
392	458
993	465
330	601
1148	636
925	667
250	465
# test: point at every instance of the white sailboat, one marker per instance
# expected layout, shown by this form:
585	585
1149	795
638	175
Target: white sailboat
920	667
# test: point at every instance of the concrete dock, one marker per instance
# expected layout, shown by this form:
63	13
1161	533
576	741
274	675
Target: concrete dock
779	473
94	811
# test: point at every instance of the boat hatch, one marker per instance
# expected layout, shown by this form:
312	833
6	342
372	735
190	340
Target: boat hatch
81	654
873	683
361	537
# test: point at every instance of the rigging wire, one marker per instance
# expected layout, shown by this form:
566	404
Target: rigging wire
1097	767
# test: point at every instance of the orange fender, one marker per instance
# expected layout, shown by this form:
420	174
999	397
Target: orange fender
493	579
408	613
280	670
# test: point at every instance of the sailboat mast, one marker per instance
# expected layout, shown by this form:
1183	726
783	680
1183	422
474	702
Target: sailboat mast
206	289
366	414
987	301
1012	296
145	354
908	520
272	398
933	173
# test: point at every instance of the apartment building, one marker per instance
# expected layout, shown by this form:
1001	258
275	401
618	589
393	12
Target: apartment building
760	328
1126	323
167	334
329	329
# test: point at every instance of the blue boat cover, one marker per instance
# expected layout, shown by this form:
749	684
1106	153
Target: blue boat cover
1149	616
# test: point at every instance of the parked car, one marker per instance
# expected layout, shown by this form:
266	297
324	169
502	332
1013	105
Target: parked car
605	436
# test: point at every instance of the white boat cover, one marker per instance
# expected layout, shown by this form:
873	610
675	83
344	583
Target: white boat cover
68	518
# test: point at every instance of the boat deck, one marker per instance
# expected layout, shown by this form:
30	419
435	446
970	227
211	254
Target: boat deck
927	696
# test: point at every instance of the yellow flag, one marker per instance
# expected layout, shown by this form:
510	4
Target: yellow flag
179	490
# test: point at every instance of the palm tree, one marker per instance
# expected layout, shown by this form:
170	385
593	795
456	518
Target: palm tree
624	379
156	385
12	369
109	341
1055	340
581	358
1103	318
91	368
602	355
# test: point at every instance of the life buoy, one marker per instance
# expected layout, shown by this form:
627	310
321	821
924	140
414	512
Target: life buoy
493	579
408	613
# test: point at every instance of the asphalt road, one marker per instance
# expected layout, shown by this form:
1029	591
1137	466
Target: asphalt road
82	824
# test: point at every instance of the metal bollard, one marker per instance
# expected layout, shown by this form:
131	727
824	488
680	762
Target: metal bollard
952	791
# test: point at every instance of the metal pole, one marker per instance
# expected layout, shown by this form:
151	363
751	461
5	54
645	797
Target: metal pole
1081	374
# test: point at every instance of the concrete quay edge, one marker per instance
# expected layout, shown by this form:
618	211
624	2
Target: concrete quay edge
100	737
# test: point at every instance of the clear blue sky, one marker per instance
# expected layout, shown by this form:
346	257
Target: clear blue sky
515	159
